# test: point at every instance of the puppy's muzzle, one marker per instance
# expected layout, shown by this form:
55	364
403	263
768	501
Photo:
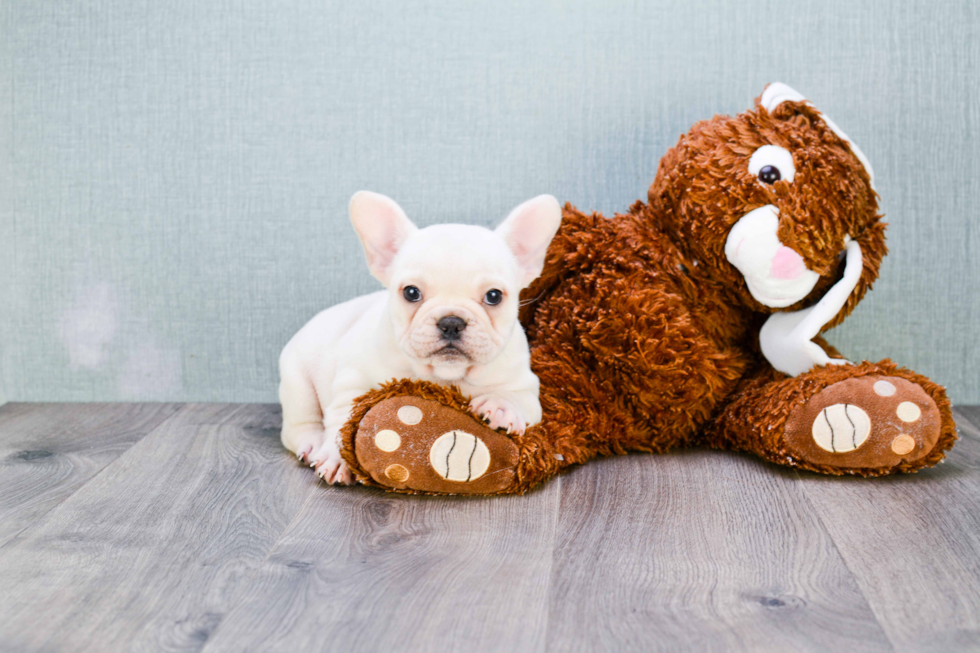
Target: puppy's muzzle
451	327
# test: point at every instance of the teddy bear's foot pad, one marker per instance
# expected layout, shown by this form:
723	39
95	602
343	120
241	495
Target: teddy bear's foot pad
413	444
866	422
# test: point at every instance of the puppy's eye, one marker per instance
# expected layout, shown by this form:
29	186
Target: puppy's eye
412	294
770	163
493	297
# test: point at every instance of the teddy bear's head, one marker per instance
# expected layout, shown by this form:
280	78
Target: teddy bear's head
767	201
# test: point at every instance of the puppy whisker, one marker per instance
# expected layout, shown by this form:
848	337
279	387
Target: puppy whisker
525	302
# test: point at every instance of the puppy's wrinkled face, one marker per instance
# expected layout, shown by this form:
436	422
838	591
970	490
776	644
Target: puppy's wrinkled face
453	289
453	297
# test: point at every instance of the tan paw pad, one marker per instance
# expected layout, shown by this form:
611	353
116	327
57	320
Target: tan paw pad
397	473
884	388
869	422
420	445
903	444
459	456
841	428
410	415
908	412
387	440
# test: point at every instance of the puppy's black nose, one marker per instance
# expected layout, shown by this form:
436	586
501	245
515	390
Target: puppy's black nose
451	327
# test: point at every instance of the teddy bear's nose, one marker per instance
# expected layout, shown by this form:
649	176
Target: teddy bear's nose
451	327
786	264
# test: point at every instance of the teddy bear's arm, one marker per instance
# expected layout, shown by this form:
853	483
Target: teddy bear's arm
827	347
787	338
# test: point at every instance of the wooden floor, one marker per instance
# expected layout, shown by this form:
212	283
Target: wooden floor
154	527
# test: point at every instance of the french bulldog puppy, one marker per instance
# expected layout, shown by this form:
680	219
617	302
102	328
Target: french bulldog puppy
448	315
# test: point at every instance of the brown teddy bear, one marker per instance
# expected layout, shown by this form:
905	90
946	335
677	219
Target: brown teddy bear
691	320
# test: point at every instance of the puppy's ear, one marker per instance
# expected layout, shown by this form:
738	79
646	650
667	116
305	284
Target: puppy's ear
528	231
382	227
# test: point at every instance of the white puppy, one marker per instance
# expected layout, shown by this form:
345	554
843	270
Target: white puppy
449	315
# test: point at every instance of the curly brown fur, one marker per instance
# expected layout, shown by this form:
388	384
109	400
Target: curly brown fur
536	463
395	388
755	418
645	336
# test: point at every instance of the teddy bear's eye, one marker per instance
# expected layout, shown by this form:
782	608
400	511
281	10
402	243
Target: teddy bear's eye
769	175
771	163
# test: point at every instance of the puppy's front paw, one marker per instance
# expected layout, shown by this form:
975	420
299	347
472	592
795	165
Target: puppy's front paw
330	466
499	413
308	443
303	440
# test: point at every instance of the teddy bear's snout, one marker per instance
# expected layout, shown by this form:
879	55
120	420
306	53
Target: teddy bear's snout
776	275
786	264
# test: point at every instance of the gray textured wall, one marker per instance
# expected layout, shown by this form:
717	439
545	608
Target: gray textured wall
175	174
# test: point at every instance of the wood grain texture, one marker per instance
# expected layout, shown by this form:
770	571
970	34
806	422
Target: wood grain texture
699	551
150	554
968	420
364	570
205	535
913	544
49	451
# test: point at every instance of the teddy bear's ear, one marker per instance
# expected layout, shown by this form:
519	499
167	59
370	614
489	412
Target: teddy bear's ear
777	93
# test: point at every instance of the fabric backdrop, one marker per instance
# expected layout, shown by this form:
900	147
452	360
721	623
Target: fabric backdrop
174	175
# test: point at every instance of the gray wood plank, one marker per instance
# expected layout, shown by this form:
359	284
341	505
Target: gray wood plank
969	417
48	451
151	554
701	551
913	543
364	570
204	533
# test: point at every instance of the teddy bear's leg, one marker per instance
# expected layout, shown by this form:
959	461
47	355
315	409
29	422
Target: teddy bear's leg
869	419
412	436
418	437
